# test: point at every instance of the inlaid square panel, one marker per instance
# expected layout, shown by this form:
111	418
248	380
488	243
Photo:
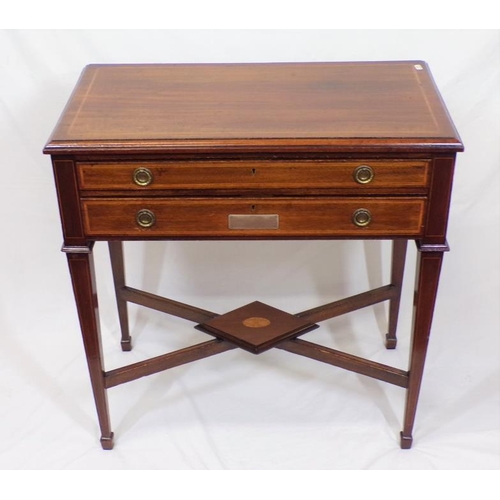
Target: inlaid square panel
256	327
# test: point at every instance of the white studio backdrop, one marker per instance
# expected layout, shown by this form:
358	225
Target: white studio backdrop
235	410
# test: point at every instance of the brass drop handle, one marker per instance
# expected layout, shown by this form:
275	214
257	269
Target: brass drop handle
363	174
361	217
145	218
142	176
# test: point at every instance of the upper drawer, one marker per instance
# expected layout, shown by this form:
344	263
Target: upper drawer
366	175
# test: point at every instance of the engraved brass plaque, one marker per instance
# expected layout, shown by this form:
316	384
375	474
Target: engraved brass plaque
267	221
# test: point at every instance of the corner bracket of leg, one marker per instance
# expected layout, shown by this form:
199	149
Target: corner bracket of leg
432	247
79	249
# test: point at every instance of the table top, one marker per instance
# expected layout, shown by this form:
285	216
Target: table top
330	107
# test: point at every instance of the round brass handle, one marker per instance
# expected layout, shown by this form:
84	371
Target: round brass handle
142	176
363	174
361	217
145	218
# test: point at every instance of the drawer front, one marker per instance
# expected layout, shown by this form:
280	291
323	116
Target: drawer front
258	218
209	175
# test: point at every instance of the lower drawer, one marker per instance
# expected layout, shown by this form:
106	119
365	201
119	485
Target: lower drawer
257	218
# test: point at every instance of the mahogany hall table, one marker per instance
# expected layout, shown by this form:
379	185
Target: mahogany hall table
255	151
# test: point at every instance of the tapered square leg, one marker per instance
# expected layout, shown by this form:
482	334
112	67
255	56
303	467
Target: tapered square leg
429	263
81	267
118	268
398	266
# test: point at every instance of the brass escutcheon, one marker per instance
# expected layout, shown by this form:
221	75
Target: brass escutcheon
145	218
361	217
142	176
363	174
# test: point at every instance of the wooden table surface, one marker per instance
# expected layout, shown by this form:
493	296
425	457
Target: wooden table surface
333	106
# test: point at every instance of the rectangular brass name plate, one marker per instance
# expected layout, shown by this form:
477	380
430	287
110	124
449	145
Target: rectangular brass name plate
236	221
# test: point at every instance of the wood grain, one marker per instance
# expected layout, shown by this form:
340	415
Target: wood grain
254	107
165	362
298	218
346	361
254	174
